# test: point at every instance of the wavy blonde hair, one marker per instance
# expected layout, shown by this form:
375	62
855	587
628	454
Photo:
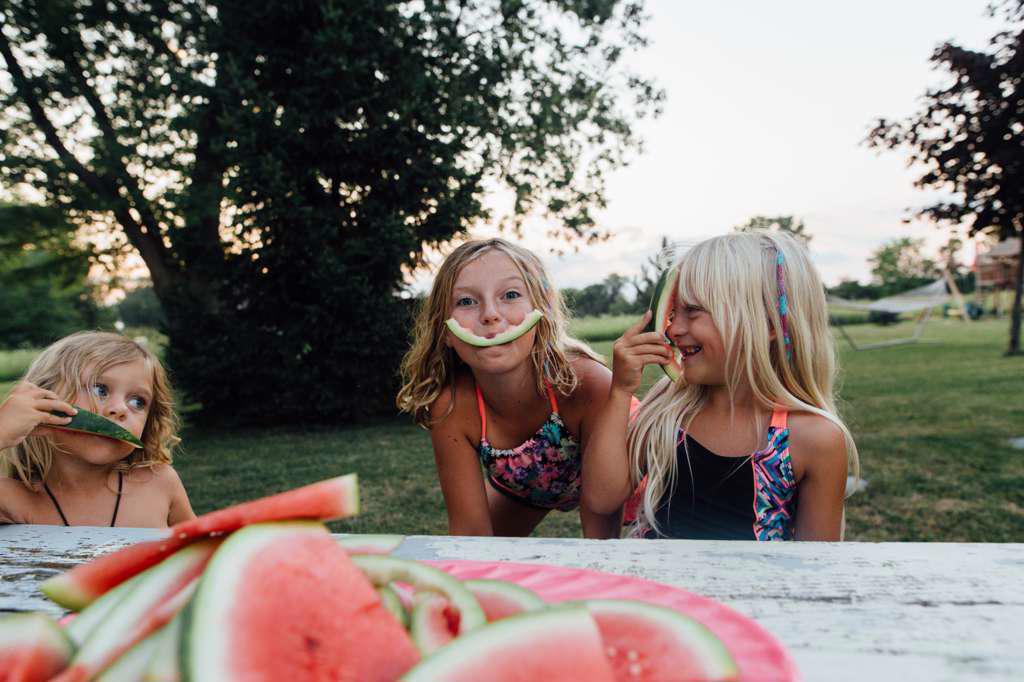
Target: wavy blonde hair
75	362
430	365
734	278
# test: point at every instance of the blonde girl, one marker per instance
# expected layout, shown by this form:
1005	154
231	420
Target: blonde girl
509	423
55	476
748	444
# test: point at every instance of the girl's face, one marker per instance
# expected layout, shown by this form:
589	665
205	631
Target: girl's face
122	394
489	297
695	334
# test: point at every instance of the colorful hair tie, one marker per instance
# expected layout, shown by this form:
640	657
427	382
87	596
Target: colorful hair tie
783	305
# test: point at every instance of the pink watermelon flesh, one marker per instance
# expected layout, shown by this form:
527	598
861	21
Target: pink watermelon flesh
32	648
557	644
434	623
156	598
647	643
283	601
500	599
331	499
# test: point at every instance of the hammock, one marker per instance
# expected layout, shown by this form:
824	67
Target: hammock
921	300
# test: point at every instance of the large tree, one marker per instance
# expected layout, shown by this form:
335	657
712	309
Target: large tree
968	138
280	166
783	223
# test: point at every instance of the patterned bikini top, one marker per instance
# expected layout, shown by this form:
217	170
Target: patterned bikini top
545	471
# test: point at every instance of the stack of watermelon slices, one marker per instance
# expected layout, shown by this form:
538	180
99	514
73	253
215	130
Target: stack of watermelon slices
263	592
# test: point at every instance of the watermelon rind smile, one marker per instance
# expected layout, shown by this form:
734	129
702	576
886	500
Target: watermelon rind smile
507	336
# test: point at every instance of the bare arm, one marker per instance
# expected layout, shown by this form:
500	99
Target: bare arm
606	476
180	507
595	382
462	481
26	412
818	447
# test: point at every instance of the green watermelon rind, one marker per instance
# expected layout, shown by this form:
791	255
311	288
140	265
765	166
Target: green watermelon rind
370	543
92	616
393	604
660	307
698	640
91	423
132	664
382	570
507	336
203	639
163	665
421	625
501	635
527	599
35	630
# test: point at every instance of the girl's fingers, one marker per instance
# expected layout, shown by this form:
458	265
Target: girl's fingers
638	326
650	349
55	403
55	420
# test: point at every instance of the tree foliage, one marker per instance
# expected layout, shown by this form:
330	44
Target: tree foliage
968	139
900	264
279	166
782	223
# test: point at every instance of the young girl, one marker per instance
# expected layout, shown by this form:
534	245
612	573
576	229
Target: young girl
54	476
748	444
523	410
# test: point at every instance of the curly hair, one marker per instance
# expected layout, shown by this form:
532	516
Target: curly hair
75	362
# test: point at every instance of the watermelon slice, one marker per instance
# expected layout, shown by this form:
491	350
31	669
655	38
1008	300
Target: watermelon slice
382	570
433	623
507	336
662	304
334	498
500	599
557	644
282	601
163	666
85	421
154	599
83	624
370	544
33	648
393	603
131	666
652	643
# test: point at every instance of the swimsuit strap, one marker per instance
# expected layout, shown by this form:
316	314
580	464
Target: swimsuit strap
483	411
117	503
56	504
779	418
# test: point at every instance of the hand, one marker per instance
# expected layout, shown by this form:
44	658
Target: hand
26	412
634	349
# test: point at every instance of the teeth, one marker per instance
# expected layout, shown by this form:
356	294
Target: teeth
691	350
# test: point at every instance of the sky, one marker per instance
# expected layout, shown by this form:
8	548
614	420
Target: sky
767	107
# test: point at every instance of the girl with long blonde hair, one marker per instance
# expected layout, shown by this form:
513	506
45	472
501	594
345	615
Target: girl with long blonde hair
510	421
748	444
50	475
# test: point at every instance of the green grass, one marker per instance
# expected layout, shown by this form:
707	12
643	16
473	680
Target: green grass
932	421
13	363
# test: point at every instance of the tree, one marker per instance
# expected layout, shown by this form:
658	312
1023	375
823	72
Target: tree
899	265
141	308
967	139
782	223
279	165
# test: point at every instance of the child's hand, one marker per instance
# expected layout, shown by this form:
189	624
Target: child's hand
27	410
633	350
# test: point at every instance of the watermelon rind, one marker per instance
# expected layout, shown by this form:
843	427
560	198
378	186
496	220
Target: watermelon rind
132	664
163	665
507	336
499	645
687	634
154	599
382	570
661	308
370	543
325	500
428	626
90	618
523	598
32	643
393	603
85	421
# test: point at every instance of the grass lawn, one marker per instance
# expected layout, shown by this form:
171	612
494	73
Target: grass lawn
932	420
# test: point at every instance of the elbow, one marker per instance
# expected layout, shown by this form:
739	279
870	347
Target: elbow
600	503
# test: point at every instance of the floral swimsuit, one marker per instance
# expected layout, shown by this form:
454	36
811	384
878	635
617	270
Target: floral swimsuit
543	472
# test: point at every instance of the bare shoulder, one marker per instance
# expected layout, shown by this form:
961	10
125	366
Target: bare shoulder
454	411
594	379
816	443
15	500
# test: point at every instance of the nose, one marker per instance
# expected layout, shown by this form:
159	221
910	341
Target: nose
488	313
114	408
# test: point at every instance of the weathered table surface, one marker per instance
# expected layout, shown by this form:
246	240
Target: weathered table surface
847	611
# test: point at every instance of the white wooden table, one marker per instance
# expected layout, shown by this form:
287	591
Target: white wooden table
849	611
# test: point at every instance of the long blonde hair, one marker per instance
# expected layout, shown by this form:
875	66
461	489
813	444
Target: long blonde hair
734	277
75	362
429	365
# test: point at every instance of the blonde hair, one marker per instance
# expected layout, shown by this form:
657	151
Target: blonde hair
430	365
734	278
74	363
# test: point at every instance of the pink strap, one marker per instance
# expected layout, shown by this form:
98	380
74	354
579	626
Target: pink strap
779	419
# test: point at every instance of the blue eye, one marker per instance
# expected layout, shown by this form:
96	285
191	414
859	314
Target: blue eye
99	390
464	301
512	295
137	403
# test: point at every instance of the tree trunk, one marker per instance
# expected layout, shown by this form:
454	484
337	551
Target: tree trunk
1014	348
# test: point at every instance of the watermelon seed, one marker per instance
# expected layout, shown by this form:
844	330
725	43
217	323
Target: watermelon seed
612	651
632	655
635	669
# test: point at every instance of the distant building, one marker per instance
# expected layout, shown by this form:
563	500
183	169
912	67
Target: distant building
996	268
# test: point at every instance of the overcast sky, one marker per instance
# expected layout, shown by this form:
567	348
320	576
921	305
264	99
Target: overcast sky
768	104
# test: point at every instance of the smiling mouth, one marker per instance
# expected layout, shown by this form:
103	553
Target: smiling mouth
690	351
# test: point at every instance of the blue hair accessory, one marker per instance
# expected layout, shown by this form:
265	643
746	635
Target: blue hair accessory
783	305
